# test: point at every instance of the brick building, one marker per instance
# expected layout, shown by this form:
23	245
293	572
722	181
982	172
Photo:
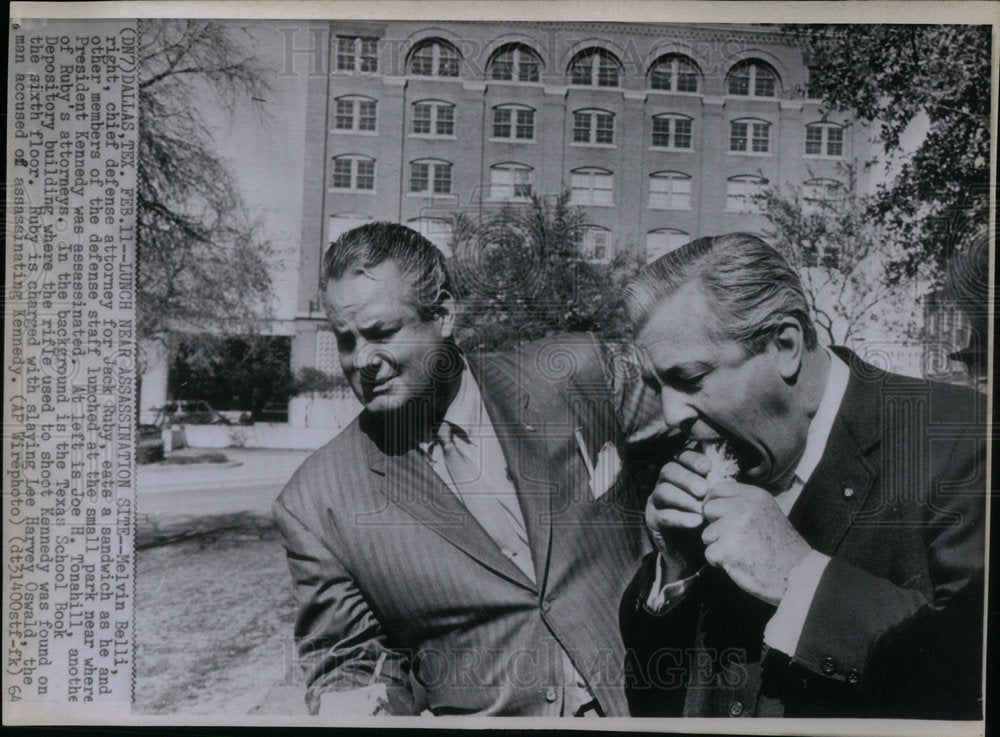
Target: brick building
662	132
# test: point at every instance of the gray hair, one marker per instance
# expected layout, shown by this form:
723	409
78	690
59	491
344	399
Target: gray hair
416	258
750	285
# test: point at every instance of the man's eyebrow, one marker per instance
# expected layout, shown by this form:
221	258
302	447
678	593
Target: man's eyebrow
688	368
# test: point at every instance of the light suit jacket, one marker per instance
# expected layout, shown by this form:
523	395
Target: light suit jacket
384	558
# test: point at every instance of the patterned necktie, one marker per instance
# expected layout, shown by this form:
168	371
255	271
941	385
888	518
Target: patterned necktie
492	501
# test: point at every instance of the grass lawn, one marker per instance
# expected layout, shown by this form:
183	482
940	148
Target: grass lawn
214	614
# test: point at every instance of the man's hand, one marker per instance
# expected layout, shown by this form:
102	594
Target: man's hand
673	513
750	538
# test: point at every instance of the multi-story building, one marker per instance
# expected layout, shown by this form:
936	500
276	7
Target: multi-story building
661	132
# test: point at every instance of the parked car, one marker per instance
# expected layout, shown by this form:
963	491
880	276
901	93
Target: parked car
189	412
148	444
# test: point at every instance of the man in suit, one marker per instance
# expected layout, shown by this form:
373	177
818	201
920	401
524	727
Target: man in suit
840	573
467	539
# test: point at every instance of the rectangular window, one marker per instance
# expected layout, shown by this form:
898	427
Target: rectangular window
343	118
592	189
366	115
510	183
442	178
355	53
761	140
738	137
764	86
834	141
682	133
422	119
423	61
661	132
501	122
342	173
581	127
669	193
607	73
814	140
687	79
445	120
582	71
525	125
369	54
366	174
528	69
419	177
739	82
605	130
345	53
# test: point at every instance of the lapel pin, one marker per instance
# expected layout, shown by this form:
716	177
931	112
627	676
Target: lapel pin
529	428
848	492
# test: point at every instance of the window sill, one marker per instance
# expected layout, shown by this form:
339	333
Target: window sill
433	137
344	190
672	150
670	209
828	157
352	132
589	204
532	141
580	144
755	154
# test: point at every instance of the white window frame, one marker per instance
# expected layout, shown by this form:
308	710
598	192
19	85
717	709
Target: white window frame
592	176
436	47
595	57
436	106
514	123
740	199
356	54
356	101
820	190
753	65
824	142
428	228
674	61
507	179
356	161
672	120
753	125
589	248
517	52
669	190
434	167
594	115
674	239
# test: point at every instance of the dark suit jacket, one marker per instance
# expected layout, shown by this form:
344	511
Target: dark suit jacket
385	560
895	627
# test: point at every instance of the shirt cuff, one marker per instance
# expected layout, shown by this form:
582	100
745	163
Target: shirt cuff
665	596
784	629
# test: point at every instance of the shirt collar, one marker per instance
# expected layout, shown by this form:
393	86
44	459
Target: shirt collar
822	422
465	410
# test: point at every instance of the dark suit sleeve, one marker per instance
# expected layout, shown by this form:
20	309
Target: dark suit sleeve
338	639
899	650
658	647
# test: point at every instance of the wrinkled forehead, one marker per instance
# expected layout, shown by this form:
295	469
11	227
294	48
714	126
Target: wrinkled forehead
680	323
367	291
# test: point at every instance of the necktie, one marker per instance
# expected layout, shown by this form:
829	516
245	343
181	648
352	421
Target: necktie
490	499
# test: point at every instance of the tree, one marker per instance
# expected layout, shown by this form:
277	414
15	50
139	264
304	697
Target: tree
843	257
520	274
894	76
203	265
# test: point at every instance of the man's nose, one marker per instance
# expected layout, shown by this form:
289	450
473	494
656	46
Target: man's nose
677	412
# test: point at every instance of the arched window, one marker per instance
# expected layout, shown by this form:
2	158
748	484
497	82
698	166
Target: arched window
515	62
818	194
743	193
592	186
597	244
672	131
430	176
670	190
511	182
753	78
433	118
664	240
594	126
595	68
434	58
436	230
825	139
354	113
353	172
515	122
357	54
749	135
674	72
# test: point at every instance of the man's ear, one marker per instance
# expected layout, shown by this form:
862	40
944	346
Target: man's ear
445	314
789	344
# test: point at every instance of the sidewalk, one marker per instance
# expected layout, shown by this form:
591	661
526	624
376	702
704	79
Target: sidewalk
245	466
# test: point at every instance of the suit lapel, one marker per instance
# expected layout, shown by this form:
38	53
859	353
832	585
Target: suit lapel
844	477
405	477
521	430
